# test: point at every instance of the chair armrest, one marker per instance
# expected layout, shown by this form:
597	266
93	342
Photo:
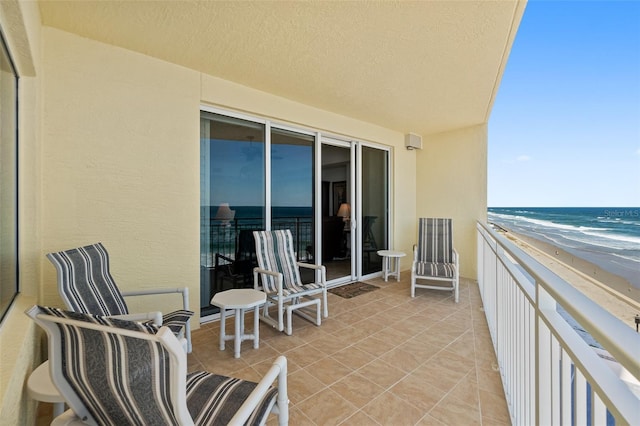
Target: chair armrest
321	268
455	257
221	256
278	371
147	292
146	316
276	275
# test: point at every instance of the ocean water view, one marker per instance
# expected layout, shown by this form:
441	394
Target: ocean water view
607	237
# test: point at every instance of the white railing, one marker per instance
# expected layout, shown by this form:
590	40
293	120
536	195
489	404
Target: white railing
550	375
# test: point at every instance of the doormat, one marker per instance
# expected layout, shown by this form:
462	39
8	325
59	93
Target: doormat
352	290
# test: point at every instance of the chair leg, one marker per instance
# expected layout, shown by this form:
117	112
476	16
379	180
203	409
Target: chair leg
456	283
289	330
280	315
318	320
413	286
324	304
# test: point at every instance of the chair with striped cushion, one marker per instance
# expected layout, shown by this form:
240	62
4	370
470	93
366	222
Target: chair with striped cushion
86	285
434	258
280	273
117	372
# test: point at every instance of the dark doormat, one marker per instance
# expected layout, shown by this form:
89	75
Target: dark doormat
352	290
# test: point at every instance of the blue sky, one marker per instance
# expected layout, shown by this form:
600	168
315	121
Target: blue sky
565	126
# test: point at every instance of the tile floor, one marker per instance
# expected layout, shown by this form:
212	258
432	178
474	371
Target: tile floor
380	358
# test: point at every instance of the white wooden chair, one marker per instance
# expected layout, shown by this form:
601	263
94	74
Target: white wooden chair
279	269
117	372
86	285
434	258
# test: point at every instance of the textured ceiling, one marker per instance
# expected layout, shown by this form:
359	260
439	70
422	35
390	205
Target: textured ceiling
422	67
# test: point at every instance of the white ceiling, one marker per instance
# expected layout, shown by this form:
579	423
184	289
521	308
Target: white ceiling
421	66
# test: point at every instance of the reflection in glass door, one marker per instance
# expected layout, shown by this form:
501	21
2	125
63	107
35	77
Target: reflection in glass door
232	202
292	190
374	220
252	176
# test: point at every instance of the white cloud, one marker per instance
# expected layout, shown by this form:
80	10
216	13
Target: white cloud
638	151
523	158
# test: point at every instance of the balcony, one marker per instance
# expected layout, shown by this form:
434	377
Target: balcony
384	358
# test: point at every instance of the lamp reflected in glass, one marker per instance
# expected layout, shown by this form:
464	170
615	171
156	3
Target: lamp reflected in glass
225	214
344	212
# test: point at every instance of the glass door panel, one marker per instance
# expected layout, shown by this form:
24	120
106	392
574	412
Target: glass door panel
232	199
374	220
292	189
336	198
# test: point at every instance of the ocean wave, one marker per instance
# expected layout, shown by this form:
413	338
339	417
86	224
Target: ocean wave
573	235
618	221
554	225
616	237
599	244
627	258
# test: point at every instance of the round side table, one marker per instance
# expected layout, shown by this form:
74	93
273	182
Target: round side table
239	300
41	388
387	255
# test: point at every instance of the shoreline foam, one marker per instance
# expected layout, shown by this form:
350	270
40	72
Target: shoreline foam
613	292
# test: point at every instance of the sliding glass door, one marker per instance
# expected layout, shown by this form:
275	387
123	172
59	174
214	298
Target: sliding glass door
374	206
252	176
232	199
337	199
255	174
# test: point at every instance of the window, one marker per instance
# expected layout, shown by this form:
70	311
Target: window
8	180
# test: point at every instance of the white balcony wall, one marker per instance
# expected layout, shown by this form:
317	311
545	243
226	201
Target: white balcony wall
550	375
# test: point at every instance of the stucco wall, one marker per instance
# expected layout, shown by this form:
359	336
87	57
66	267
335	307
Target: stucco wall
120	143
452	182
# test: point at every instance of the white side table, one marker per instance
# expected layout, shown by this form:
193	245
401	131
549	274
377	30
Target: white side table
387	255
41	388
239	300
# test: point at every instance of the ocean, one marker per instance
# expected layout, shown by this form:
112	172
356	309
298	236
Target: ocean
606	237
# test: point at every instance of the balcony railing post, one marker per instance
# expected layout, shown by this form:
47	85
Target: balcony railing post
543	358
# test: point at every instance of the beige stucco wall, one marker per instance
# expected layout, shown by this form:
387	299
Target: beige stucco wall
120	136
452	182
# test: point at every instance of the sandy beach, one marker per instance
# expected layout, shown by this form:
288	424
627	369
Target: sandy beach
612	292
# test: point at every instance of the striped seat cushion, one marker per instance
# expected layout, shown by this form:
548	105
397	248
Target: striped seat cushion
275	252
441	270
87	285
214	399
177	320
85	282
119	379
148	328
435	243
297	290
